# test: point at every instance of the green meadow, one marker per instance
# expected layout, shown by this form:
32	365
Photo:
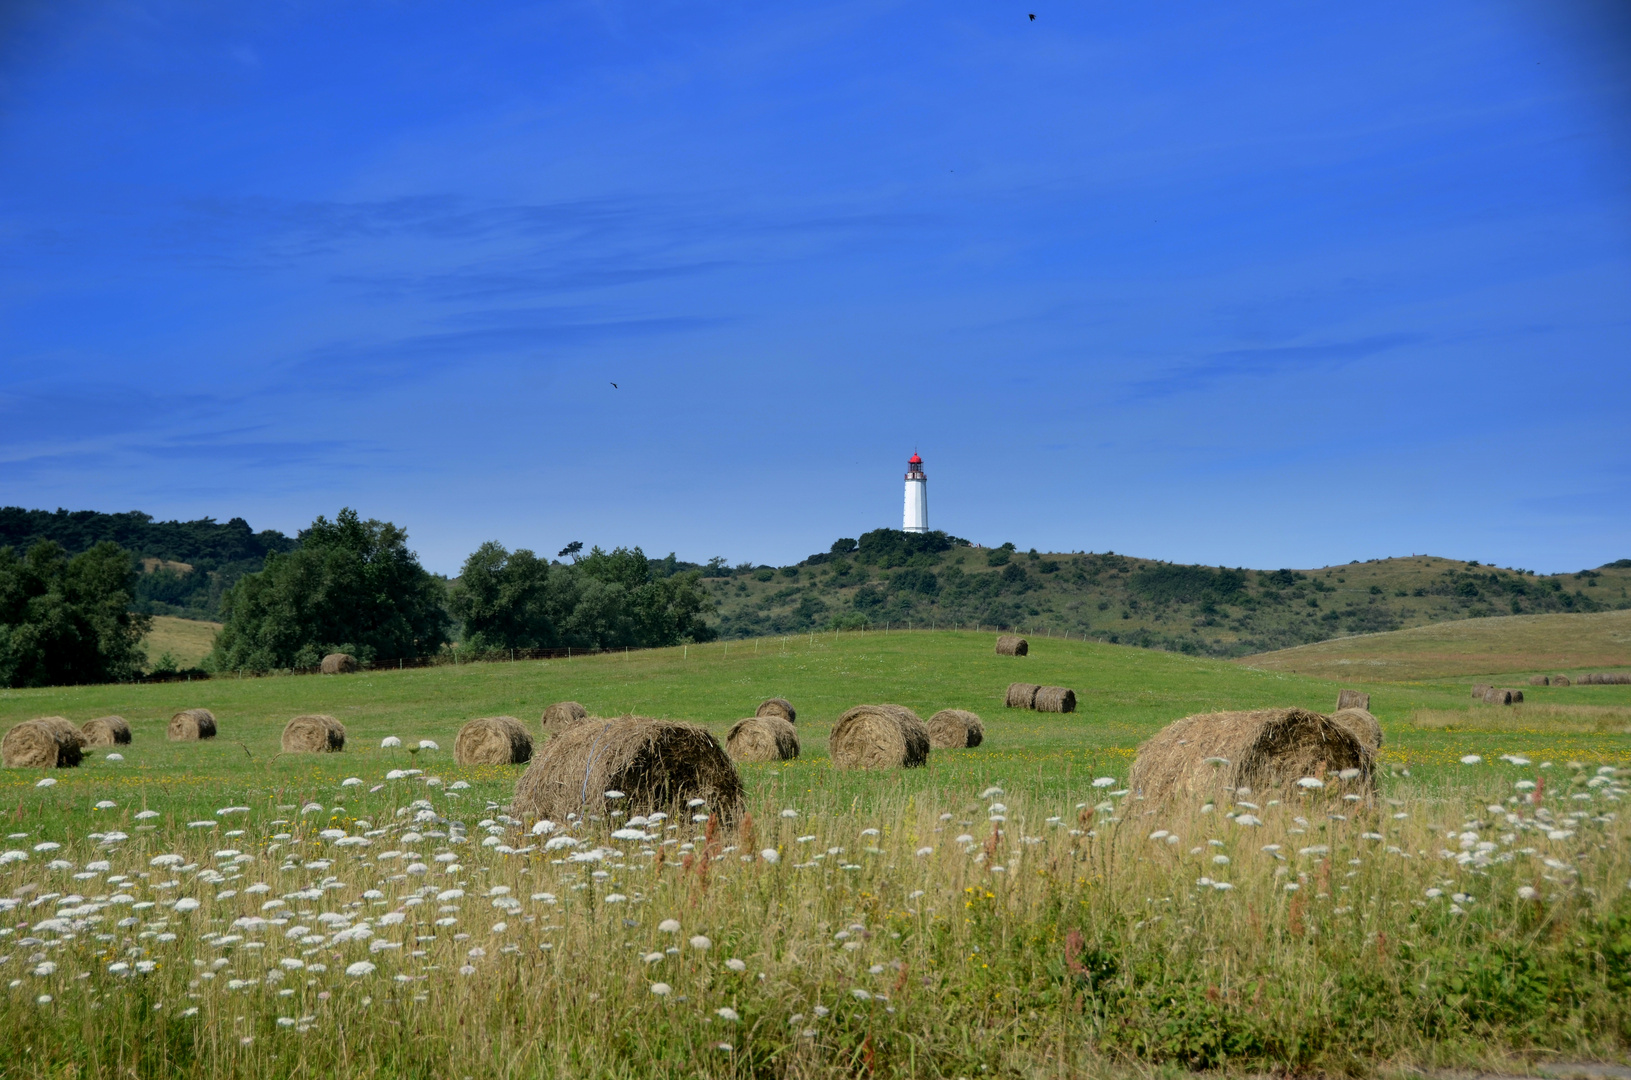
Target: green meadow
220	909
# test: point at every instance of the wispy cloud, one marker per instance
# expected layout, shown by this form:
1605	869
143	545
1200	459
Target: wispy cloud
1256	363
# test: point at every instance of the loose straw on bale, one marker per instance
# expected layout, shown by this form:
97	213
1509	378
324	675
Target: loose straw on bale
313	734
1352	699
1012	645
955	729
562	715
1021	695
493	740
763	738
106	731
1364	727
1267	749
338	663
879	737
1054	699
191	724
656	764
65	729
777	706
40	744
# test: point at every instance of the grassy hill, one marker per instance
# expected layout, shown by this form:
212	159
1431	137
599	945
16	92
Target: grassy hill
1517	646
1119	599
186	640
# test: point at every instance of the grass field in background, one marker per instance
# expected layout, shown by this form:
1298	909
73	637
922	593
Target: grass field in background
912	923
1516	646
187	641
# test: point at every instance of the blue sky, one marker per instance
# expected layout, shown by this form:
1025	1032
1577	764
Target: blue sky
1282	284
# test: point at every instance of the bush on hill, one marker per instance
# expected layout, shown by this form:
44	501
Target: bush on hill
68	620
352	586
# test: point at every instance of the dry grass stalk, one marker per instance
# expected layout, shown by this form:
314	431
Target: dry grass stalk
49	742
314	733
879	737
106	731
562	715
189	725
955	729
1057	699
1263	750
766	737
338	663
1021	695
1364	726
777	706
656	764
1012	645
493	740
1352	699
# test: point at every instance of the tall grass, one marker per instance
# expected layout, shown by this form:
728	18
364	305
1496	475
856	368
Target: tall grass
954	933
1531	719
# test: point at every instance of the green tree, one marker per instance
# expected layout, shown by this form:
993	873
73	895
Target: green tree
67	621
513	600
352	586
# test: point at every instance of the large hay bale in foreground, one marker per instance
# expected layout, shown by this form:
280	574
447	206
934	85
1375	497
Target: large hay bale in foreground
777	706
562	715
1352	699
1265	750
189	725
656	764
1560	680
1365	727
41	744
955	729
65	729
313	734
106	731
1012	645
1054	699
763	738
1021	695
1539	680
493	740
338	663
879	737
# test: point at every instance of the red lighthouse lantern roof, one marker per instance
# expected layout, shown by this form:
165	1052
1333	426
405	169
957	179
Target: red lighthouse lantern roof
914	460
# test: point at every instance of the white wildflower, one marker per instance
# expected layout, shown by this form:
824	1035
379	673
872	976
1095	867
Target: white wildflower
700	943
359	968
669	926
661	989
736	965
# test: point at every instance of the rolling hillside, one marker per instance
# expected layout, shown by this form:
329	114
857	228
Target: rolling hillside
891	579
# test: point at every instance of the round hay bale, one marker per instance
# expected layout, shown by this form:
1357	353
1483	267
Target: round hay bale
40	744
313	734
189	725
1497	696
1539	680
777	706
765	737
66	730
1517	697
879	737
493	740
338	663
1560	680
656	764
1365	727
1479	690
106	731
1352	699
1054	699
562	715
1021	695
955	729
1012	645
1266	749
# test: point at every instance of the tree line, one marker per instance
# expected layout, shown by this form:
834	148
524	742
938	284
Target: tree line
347	585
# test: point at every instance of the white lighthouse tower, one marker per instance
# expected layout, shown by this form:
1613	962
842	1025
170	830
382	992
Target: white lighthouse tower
916	518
